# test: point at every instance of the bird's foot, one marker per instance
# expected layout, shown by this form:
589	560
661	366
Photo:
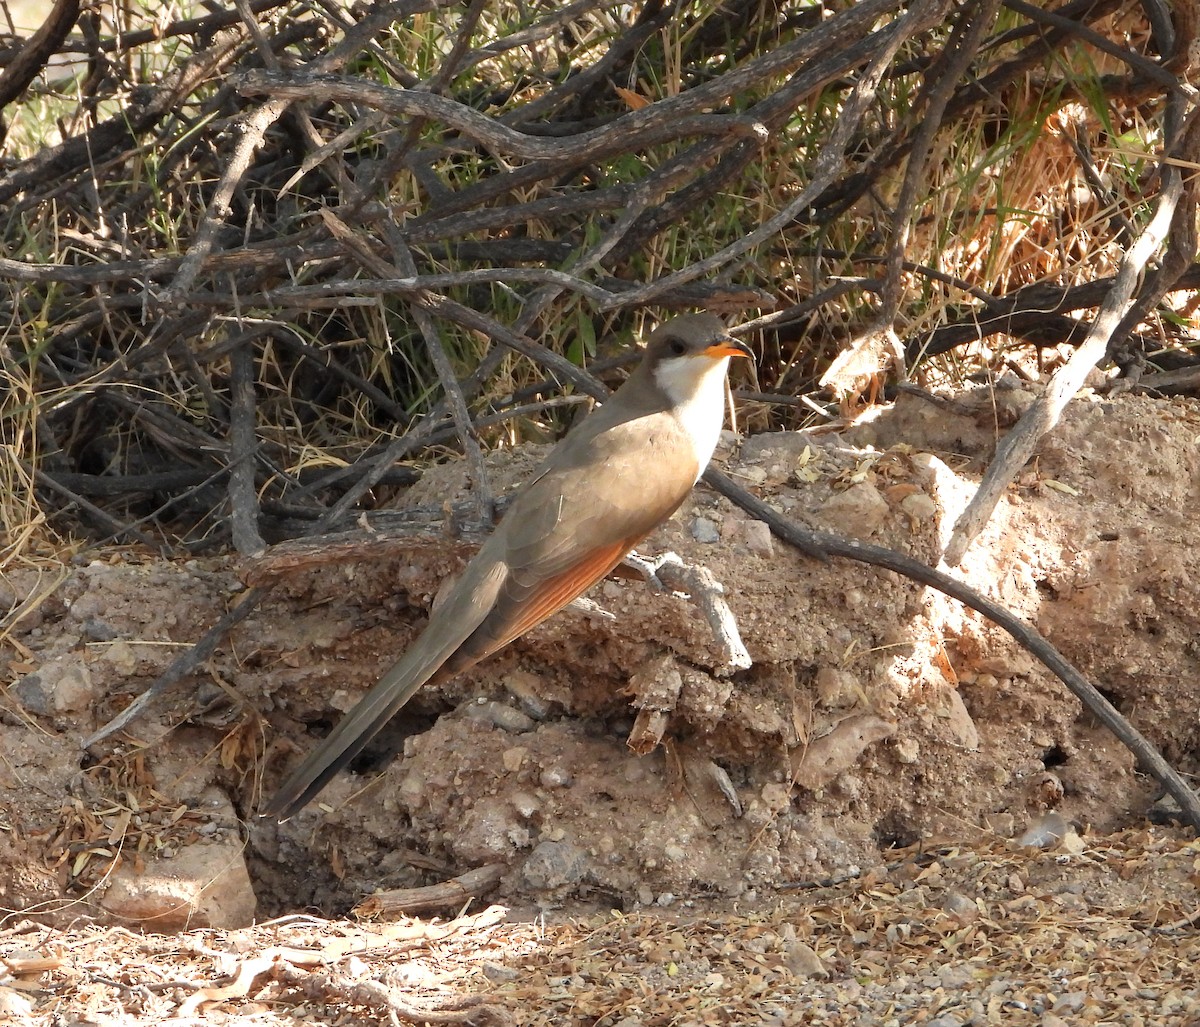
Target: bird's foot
649	568
581	604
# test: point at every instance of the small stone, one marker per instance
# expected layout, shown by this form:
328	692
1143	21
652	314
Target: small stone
759	539
836	687
14	1007
955	719
961	906
33	695
816	765
802	961
1045	833
524	688
120	656
59	687
96	630
956	976
1002	824
704	530
411	792
203	885
556	777
918	507
860	511
513	758
776	796
554	865
1073	1002
500	715
500	974
525	804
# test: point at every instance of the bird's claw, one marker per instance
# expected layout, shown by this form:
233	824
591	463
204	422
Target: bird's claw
649	568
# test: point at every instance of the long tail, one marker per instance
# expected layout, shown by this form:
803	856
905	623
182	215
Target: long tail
345	742
451	624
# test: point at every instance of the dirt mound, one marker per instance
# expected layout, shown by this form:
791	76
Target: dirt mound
877	713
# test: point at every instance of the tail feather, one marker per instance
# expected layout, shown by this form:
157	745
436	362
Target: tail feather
345	742
463	610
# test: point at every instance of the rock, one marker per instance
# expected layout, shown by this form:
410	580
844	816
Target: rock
759	539
489	832
919	507
204	885
96	630
656	684
556	777
524	688
14	1007
777	447
823	759
962	906
60	686
120	657
802	961
553	866
955	721
513	758
1002	824
837	688
860	511
1045	833
506	718
704	530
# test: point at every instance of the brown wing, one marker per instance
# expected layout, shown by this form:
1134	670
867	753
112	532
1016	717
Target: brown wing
591	503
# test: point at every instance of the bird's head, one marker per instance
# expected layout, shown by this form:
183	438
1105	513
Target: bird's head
688	351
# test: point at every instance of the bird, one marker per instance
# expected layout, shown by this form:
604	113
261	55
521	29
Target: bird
617	474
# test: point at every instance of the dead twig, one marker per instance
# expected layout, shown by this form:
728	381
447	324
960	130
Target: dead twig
702	588
636	129
452	894
243	447
36	53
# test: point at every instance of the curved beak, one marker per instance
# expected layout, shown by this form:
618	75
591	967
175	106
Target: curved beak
729	347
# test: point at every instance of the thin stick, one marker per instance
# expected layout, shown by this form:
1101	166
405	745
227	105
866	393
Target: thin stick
243	446
481	492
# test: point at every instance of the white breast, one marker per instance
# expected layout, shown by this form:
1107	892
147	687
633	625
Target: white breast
696	388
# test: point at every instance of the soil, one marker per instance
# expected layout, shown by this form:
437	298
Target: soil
882	730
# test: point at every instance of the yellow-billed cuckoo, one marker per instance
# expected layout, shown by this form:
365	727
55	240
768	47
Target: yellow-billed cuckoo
617	475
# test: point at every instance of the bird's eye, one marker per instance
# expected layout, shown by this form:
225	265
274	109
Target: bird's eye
677	347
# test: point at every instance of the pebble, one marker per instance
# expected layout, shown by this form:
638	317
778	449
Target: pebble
554	865
704	530
758	538
1069	1003
499	715
556	777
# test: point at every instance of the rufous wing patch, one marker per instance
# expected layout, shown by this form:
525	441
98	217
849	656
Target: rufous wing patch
554	593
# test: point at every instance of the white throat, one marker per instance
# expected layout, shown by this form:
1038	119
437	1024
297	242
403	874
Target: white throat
695	387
